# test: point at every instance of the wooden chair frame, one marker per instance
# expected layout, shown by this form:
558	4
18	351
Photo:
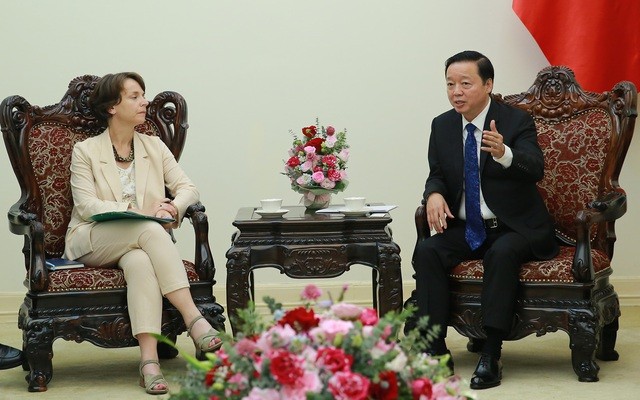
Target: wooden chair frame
97	315
585	306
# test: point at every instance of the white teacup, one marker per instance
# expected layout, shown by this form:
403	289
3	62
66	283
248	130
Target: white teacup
271	205
354	203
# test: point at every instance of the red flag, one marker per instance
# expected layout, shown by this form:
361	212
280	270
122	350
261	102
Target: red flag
598	39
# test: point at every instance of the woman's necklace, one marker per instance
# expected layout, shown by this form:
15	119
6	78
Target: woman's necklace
122	159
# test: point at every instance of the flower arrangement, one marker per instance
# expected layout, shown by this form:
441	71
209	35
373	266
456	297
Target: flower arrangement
317	162
345	352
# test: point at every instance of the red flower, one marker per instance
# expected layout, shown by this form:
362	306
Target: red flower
285	367
225	363
317	143
209	377
421	387
334	175
387	388
348	386
309	131
330	160
334	359
330	130
300	319
293	162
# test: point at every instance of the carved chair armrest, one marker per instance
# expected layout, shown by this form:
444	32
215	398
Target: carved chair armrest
203	259
422	227
608	208
613	205
28	225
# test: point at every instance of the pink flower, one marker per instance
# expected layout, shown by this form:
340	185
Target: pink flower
303	180
369	316
346	311
439	391
331	141
311	292
309	382
348	386
381	348
328	184
318	176
386	332
276	337
246	347
344	154
310	150
421	389
262	394
306	166
333	327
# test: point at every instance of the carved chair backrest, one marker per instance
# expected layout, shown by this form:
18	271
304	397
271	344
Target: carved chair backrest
584	137
40	141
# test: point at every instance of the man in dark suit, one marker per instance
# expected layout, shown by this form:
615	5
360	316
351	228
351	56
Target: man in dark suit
9	357
482	202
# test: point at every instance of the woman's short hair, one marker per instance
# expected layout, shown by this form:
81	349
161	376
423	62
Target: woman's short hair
107	93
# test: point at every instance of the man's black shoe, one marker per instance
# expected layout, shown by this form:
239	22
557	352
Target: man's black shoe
9	357
488	372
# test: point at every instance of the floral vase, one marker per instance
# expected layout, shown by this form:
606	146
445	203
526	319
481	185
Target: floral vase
316	199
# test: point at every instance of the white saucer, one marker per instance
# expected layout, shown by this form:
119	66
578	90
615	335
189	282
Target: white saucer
277	213
356	213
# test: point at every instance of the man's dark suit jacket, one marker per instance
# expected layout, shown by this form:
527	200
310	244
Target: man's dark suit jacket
511	193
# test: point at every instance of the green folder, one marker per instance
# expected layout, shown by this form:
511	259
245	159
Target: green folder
113	215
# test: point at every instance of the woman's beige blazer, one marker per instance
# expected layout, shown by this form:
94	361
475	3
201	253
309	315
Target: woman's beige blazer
96	187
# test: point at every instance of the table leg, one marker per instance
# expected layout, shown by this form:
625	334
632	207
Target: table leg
390	280
238	288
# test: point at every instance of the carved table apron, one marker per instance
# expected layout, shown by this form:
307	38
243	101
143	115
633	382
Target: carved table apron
306	245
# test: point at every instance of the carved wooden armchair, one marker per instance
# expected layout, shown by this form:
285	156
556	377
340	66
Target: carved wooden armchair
584	137
87	303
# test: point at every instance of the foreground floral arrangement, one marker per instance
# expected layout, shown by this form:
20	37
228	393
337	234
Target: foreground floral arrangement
317	162
343	353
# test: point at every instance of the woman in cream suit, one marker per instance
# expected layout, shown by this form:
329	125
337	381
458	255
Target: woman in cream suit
121	170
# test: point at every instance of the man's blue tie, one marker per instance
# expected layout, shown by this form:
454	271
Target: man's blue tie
474	231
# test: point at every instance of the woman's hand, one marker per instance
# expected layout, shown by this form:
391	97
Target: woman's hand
166	209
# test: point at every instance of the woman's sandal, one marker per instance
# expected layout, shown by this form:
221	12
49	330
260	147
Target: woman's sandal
150	382
203	342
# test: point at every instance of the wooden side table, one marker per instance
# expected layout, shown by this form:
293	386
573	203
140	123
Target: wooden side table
306	245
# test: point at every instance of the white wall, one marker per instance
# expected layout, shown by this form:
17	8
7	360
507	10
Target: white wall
252	70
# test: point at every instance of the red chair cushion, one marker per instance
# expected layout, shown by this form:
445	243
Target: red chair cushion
95	278
556	270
